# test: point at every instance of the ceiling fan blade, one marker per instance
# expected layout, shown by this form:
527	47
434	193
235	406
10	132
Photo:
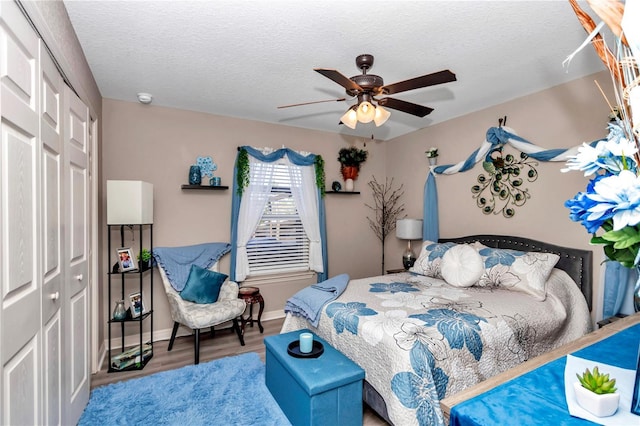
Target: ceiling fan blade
342	80
439	77
314	102
404	106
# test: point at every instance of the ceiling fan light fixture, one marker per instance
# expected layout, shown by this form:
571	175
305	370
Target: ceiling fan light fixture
382	115
350	118
366	112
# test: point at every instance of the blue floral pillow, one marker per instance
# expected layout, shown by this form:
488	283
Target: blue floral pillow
203	285
527	272
430	259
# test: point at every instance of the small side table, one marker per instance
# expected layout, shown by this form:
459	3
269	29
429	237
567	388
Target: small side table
251	296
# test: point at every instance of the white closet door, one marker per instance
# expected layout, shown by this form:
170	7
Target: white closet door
76	240
53	272
20	316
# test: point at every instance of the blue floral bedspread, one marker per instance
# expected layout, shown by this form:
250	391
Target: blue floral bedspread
420	340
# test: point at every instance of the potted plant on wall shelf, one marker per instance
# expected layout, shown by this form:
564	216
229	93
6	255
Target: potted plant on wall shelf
432	155
596	393
144	259
350	160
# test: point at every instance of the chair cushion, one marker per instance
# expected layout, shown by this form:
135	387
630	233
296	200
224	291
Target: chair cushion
203	285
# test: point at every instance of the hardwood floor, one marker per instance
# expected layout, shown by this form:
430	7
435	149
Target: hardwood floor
225	343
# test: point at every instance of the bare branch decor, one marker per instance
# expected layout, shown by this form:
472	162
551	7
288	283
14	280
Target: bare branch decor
386	208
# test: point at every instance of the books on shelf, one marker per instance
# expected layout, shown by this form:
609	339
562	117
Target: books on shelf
131	356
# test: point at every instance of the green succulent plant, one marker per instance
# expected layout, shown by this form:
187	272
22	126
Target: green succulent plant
597	382
145	255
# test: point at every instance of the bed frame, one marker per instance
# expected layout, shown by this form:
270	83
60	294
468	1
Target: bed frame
576	263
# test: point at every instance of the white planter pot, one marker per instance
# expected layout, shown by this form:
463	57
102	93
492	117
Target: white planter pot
599	405
348	185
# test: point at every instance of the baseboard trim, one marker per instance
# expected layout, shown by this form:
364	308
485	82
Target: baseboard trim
165	334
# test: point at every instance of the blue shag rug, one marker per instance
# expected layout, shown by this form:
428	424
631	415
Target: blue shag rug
227	391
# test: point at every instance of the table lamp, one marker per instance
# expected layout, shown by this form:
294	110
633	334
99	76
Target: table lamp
409	229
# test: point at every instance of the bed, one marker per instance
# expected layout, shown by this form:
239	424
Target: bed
420	339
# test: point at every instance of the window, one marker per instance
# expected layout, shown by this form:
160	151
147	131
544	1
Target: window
279	243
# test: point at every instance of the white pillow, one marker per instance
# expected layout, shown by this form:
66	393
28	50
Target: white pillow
462	266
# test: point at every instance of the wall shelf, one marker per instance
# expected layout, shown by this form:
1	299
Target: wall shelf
219	188
342	192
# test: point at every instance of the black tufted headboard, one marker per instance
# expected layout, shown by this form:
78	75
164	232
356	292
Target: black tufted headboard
576	263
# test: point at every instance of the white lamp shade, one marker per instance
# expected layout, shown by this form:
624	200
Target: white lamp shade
350	118
129	202
409	229
366	112
382	115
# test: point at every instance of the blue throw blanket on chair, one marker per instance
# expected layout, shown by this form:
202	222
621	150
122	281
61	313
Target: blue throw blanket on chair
177	261
309	301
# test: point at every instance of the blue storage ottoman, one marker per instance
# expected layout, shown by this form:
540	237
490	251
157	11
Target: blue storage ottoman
314	391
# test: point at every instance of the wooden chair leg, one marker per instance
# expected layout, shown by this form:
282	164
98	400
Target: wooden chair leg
173	334
236	327
197	346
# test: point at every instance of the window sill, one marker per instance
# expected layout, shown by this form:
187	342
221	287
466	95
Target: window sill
279	278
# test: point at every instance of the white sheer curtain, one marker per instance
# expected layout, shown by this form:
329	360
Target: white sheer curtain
305	195
252	205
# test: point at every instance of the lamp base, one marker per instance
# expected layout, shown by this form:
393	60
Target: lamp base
408	259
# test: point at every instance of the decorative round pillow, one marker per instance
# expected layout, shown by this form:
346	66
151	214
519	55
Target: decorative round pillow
462	266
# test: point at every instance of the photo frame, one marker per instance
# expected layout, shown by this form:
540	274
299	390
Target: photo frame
136	304
126	259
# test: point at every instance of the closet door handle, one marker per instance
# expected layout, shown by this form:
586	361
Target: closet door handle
54	296
79	277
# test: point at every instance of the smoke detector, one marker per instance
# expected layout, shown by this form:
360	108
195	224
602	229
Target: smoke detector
145	98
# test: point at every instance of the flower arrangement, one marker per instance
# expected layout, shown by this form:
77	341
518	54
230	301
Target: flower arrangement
432	152
352	156
350	160
611	202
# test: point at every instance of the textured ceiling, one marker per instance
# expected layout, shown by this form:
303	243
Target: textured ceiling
244	58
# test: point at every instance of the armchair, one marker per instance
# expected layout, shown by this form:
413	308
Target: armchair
197	316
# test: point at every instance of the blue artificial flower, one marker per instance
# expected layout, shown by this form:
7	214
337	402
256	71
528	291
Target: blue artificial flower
579	208
612	198
347	315
610	156
394	287
617	196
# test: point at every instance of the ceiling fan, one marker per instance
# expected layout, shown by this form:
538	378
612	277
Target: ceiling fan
367	88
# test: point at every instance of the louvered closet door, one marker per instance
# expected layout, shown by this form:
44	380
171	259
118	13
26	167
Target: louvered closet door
20	313
52	266
76	238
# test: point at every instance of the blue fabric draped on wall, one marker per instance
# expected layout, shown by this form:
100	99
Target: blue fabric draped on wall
298	160
616	276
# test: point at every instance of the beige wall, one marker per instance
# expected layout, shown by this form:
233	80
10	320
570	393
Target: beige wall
560	117
157	145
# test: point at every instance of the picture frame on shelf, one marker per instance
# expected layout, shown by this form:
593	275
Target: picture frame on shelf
126	259
136	304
